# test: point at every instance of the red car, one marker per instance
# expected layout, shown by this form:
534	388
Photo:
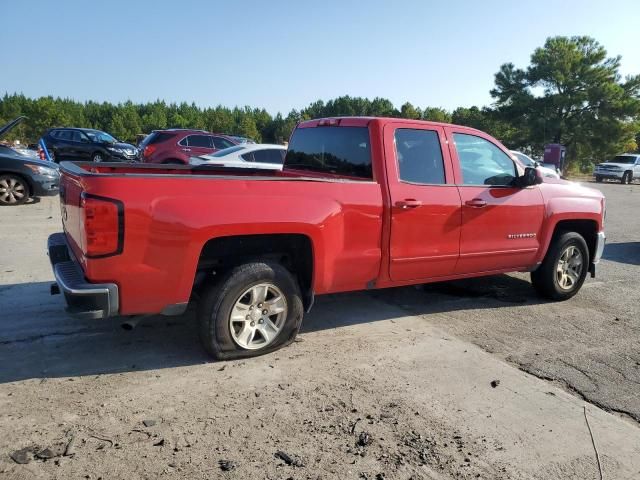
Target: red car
178	145
361	203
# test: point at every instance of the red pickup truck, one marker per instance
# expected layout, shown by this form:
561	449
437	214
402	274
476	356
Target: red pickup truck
362	203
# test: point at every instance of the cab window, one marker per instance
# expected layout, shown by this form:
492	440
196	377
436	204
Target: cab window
419	156
483	163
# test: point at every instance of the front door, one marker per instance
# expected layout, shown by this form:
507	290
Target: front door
501	223
425	204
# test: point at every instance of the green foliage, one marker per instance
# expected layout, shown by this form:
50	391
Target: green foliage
572	94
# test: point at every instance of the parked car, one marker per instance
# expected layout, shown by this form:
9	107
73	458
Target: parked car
178	145
256	155
86	144
23	176
527	161
624	168
362	203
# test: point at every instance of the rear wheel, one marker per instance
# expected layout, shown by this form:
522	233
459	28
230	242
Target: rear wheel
255	308
13	190
564	268
626	178
97	157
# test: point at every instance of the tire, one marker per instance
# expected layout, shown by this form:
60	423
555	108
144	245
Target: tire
627	178
98	157
14	190
549	280
224	338
598	179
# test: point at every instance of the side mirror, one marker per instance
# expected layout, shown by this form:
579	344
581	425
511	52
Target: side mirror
529	178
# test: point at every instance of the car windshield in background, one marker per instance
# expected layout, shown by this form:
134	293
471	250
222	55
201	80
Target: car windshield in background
624	159
100	137
342	151
526	161
227	151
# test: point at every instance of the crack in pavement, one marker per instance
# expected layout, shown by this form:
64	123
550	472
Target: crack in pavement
35	338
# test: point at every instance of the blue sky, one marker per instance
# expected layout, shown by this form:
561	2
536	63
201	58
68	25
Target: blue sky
285	54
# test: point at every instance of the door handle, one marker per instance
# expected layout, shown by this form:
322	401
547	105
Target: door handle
186	149
408	203
476	203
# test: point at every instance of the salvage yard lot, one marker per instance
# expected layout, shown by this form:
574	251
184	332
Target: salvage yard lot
383	384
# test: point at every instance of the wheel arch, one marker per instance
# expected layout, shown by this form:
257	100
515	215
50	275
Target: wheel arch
294	251
587	228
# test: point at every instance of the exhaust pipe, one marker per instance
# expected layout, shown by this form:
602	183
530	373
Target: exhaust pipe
131	322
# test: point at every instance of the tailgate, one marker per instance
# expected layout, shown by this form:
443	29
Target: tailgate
71	189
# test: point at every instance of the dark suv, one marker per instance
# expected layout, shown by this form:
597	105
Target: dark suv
87	144
178	145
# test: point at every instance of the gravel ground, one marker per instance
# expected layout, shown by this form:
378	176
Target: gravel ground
473	379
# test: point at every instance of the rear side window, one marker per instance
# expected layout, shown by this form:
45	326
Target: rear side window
220	143
201	141
334	150
270	155
419	156
64	135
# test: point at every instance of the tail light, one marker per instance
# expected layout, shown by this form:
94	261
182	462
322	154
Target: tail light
148	151
102	234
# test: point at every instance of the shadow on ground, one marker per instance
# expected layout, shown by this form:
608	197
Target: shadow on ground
39	340
628	252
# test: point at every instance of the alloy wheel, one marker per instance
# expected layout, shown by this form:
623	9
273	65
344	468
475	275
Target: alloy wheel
258	316
12	190
569	268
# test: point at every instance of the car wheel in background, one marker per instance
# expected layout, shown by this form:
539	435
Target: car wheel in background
564	268
598	179
97	157
626	178
13	190
253	309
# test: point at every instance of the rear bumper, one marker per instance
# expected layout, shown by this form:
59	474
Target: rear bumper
84	299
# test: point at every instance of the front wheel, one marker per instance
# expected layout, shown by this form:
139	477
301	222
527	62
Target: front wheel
255	308
13	190
598	179
626	178
564	268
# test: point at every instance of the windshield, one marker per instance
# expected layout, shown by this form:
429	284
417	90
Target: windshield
226	151
624	159
526	161
100	137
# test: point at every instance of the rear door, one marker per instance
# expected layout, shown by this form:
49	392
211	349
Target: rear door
200	145
501	223
425	203
62	148
80	147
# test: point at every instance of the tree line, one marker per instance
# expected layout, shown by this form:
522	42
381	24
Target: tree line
571	93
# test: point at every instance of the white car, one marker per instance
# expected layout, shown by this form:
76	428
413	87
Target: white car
247	155
527	161
623	167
